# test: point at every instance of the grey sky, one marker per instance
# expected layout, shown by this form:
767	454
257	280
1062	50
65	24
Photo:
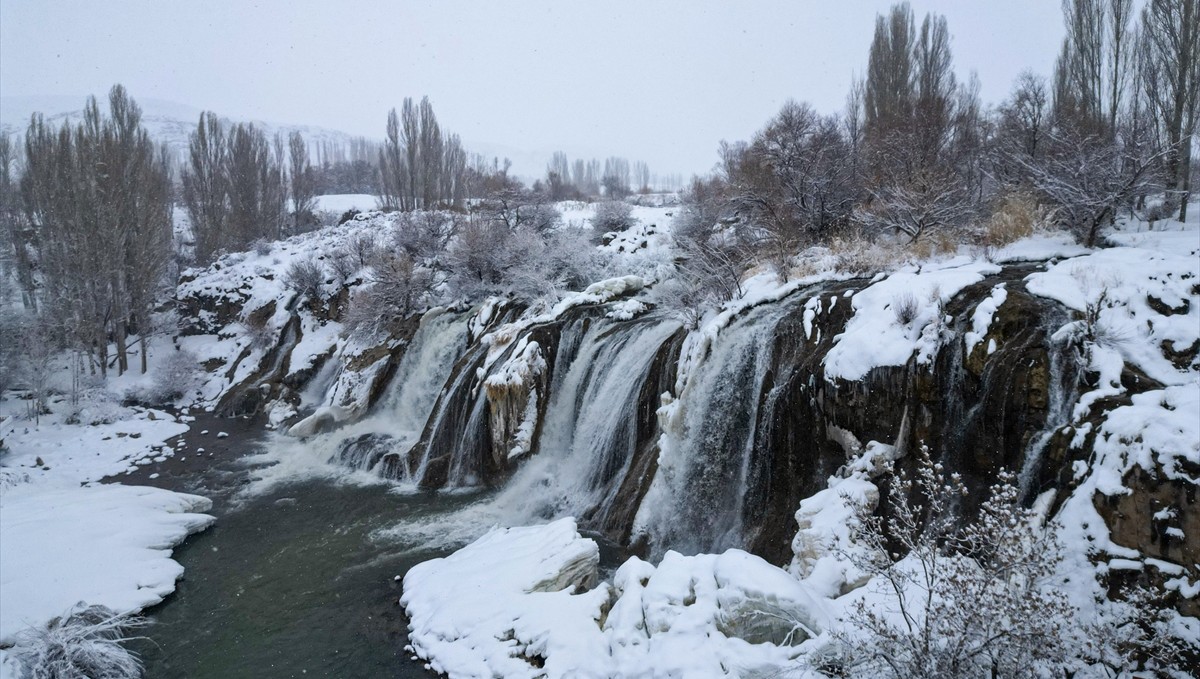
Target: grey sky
659	81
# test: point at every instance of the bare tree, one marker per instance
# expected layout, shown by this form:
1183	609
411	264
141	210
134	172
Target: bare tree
1088	178
14	227
935	89
890	87
302	179
931	201
1023	119
393	168
204	186
420	167
616	177
98	198
1171	78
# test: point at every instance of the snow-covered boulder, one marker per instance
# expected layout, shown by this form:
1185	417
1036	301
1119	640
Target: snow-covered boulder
506	603
511	604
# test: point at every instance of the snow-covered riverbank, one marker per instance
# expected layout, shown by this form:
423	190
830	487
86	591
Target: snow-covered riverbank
65	538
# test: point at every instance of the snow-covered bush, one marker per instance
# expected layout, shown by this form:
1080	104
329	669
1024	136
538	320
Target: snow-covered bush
486	258
967	599
425	235
305	276
710	271
612	215
90	402
955	598
176	375
31	349
86	642
398	287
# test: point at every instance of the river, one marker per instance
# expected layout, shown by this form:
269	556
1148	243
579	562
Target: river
295	579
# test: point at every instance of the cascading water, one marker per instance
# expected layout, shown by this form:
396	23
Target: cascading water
396	421
1061	396
586	416
590	432
449	435
696	500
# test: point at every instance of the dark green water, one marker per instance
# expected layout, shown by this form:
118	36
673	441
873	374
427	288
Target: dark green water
290	582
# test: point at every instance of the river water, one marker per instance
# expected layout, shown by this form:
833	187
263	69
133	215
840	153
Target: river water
295	579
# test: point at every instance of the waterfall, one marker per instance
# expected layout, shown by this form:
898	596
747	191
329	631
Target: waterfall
395	423
1060	399
590	433
696	501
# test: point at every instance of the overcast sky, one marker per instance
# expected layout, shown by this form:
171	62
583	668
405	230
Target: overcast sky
659	81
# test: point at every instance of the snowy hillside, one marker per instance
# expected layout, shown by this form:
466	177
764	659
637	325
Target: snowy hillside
166	121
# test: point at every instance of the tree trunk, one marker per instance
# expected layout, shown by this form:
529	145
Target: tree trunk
142	344
122	355
1185	177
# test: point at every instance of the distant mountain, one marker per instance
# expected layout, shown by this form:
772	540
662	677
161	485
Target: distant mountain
172	122
167	121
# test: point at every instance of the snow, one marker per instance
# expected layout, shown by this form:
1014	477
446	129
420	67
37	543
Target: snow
1038	247
874	337
62	542
516	596
77	453
1125	282
103	544
509	594
1160	429
982	319
339	203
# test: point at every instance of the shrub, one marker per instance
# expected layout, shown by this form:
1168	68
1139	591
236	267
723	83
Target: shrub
92	403
612	215
305	276
981	597
85	642
858	255
175	377
905	307
1017	215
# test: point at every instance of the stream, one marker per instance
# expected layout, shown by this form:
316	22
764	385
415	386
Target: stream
295	580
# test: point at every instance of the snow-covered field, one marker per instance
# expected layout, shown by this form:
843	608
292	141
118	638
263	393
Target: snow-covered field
340	203
66	539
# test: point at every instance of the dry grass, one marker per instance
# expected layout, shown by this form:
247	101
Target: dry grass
1017	215
858	255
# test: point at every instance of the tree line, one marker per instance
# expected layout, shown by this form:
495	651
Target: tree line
89	222
614	178
916	155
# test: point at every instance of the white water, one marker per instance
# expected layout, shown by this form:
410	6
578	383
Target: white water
696	500
589	435
412	392
1060	399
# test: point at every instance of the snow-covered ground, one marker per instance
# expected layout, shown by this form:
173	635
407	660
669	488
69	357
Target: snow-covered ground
65	539
339	203
105	544
523	602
